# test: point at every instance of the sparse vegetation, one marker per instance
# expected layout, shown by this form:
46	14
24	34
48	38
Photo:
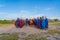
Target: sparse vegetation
35	37
14	36
52	32
6	21
55	23
5	36
22	33
42	38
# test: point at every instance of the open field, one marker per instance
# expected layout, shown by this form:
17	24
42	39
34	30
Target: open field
54	23
4	25
50	23
10	32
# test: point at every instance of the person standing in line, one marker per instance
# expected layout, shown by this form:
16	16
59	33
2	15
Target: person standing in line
43	23
46	22
26	22
34	22
31	22
17	23
37	23
40	23
21	23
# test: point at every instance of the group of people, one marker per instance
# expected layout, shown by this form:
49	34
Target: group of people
40	23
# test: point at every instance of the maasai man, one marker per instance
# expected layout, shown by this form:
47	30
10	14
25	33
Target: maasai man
21	23
26	22
31	22
34	21
17	23
46	22
37	23
40	23
43	23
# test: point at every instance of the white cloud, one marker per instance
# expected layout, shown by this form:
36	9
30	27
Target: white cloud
27	14
23	14
54	17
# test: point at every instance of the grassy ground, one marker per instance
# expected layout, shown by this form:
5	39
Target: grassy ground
50	23
6	36
1	25
51	34
54	23
35	37
41	36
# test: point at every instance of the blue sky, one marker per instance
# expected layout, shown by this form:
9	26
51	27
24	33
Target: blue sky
11	9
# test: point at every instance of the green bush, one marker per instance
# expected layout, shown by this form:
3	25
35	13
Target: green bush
6	21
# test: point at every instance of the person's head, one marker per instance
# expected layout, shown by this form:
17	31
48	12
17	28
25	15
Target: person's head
42	17
30	19
45	17
18	19
26	18
34	18
37	17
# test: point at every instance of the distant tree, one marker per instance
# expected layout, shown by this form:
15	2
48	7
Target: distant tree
5	21
56	19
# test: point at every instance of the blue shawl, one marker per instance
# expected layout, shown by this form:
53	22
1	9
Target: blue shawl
37	21
43	23
46	22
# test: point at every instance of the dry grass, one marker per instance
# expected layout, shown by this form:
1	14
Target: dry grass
4	25
52	32
54	23
35	37
5	36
